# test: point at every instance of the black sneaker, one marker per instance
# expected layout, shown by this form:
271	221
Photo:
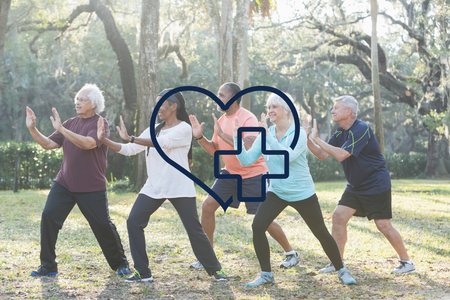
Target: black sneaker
220	275
140	278
123	270
43	271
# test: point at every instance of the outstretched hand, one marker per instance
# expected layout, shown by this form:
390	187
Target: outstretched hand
237	124
314	133
197	129
306	126
217	127
100	130
31	119
263	123
123	130
56	122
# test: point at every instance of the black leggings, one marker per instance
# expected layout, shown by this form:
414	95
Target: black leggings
138	219
310	211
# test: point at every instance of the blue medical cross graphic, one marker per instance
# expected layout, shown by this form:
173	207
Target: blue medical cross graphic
264	177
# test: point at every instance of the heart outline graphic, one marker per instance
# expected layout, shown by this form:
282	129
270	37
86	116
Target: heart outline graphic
225	107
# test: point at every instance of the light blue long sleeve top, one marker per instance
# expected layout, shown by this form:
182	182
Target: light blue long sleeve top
299	185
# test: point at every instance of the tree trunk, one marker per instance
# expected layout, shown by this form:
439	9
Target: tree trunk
226	43
4	10
127	77
246	98
438	162
376	77
148	78
239	41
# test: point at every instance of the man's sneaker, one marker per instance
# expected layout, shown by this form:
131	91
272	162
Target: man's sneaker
123	270
345	277
43	271
196	265
404	268
140	278
329	269
264	278
220	275
290	261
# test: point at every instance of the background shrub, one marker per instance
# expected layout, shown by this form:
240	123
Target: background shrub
39	167
203	167
402	165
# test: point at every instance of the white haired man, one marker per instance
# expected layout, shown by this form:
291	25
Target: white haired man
368	191
80	181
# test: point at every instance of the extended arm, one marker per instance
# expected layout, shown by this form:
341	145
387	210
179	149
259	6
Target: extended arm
247	156
83	142
293	153
326	149
197	131
248	140
125	149
42	140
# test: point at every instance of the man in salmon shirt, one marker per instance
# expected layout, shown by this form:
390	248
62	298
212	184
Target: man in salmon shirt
251	175
80	181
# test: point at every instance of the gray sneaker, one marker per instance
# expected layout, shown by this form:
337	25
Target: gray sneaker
345	277
404	268
261	280
196	265
329	269
290	261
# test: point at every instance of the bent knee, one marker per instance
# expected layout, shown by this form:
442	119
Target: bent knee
384	225
258	227
131	223
338	219
210	205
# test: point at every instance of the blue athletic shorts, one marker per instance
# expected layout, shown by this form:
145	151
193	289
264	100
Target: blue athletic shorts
251	187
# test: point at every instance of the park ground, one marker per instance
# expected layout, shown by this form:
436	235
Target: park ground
421	214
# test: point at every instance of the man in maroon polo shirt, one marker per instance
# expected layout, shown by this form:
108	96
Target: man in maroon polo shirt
80	181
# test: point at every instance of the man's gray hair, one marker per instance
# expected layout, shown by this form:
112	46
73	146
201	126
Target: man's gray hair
349	101
95	96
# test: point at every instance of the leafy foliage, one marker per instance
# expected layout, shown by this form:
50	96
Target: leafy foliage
402	165
38	167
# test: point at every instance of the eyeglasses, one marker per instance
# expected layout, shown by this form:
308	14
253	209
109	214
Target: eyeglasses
82	100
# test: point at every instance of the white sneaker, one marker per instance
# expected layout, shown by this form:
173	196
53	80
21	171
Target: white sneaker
329	269
290	261
404	268
196	265
345	277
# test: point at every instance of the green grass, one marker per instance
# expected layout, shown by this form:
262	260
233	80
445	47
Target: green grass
421	214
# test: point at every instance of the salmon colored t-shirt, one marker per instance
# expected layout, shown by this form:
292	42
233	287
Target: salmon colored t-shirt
247	119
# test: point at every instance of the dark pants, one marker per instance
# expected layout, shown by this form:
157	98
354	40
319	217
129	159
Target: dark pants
94	206
138	219
310	211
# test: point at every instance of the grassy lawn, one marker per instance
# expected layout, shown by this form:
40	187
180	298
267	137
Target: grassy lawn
421	214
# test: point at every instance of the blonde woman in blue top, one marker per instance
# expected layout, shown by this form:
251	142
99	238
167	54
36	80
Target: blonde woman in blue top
296	191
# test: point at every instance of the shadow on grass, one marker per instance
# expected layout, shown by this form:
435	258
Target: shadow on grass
369	286
378	234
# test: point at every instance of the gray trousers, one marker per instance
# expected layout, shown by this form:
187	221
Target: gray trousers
144	207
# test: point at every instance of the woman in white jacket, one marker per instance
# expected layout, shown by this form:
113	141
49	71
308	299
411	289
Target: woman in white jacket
174	135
